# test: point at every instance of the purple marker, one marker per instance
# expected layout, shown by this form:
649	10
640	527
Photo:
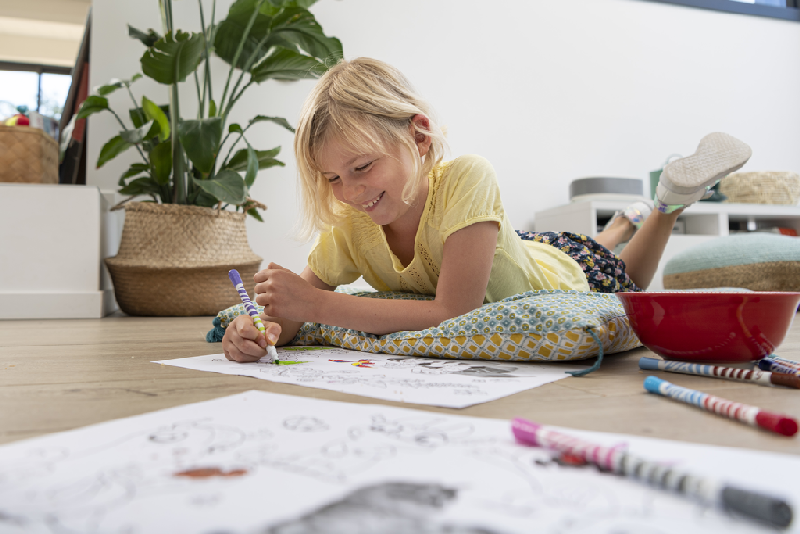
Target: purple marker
757	506
233	274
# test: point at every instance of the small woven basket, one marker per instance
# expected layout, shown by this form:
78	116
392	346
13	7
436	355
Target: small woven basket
761	187
27	155
173	260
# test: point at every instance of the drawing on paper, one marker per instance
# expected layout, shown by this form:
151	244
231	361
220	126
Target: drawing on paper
211	466
441	382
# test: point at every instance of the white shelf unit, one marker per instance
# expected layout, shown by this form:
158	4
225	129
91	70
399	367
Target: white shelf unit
702	222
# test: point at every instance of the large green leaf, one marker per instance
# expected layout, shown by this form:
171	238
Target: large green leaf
229	33
140	186
134	170
287	64
91	105
113	85
266	159
201	139
113	148
227	186
299	27
252	167
147	131
148	39
161	160
173	57
155	113
280	121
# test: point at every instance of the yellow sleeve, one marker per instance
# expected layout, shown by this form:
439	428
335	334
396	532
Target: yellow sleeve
469	195
331	258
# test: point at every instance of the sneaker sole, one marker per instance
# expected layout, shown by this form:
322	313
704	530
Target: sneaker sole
717	155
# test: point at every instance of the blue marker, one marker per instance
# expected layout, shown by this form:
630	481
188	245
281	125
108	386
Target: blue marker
233	274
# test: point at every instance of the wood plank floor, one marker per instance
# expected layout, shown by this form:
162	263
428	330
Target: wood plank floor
59	375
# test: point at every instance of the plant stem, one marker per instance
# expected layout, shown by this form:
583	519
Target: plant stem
200	104
239	52
126	129
236	98
207	68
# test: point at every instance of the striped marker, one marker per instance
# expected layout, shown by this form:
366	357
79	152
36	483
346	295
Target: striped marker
766	509
745	375
774	366
233	274
784	361
781	424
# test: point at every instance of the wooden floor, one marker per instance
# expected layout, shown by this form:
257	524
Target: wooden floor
63	374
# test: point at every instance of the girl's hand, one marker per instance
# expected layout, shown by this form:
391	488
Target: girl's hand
244	343
285	294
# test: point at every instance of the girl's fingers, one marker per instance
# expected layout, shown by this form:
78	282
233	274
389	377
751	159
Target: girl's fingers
273	332
244	350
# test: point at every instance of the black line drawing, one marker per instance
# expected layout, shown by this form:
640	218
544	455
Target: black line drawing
305	423
382	508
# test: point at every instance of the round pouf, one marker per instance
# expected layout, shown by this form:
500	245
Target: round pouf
757	261
173	260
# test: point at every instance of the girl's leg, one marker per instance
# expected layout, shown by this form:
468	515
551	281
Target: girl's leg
683	182
642	254
617	232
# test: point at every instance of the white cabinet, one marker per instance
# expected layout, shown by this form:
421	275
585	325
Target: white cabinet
700	222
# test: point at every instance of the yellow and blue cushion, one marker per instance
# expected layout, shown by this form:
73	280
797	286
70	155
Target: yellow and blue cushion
547	325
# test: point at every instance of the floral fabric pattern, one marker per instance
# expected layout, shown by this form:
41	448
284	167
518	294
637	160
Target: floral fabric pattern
604	270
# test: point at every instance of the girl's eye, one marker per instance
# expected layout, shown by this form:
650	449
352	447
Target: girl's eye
333	180
364	167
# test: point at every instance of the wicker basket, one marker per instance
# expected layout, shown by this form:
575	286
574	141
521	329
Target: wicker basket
173	260
27	155
761	187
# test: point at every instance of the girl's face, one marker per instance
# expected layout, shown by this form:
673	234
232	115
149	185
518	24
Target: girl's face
372	182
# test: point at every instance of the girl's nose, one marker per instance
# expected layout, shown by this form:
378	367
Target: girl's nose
352	191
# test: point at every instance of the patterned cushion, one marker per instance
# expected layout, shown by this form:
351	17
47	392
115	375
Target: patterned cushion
533	326
757	261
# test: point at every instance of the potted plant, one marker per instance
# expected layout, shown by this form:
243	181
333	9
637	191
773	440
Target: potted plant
198	177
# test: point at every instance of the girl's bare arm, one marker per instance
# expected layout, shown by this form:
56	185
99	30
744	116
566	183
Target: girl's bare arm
464	275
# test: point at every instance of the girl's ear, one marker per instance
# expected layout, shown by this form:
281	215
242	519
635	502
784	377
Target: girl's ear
418	126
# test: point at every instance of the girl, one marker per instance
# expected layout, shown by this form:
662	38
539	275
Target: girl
387	208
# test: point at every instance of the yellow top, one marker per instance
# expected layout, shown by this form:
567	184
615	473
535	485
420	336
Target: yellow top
462	192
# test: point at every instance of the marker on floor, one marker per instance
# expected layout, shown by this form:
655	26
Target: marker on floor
761	378
781	424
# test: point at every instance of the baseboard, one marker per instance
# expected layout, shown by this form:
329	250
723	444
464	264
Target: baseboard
49	305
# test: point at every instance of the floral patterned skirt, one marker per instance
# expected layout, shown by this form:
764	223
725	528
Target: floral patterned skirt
604	271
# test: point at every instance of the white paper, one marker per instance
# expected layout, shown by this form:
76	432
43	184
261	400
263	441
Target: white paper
437	382
280	464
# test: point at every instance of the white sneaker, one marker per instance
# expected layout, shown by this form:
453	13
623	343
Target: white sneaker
687	180
636	213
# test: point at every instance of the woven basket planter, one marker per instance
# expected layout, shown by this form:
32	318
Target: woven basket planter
27	155
173	260
761	187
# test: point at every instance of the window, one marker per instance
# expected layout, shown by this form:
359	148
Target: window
779	9
40	88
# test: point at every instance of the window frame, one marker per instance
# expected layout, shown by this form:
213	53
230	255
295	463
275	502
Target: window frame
790	13
38	69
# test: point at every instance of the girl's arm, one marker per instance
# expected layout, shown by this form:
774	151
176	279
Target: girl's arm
289	327
464	275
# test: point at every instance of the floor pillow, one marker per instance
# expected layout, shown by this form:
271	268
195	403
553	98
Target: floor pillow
533	326
759	261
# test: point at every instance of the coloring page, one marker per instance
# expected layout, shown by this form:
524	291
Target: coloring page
437	382
264	463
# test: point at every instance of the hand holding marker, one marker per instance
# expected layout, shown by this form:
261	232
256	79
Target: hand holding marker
766	509
233	274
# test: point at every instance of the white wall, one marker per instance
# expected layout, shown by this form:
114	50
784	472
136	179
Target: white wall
42	31
548	90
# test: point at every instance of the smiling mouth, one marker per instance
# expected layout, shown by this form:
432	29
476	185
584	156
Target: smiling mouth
369	206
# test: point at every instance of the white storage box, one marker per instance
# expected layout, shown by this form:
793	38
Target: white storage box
52	242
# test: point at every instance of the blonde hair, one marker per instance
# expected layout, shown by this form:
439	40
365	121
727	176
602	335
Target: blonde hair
368	105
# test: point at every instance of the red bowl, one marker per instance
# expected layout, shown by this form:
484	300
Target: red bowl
719	327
